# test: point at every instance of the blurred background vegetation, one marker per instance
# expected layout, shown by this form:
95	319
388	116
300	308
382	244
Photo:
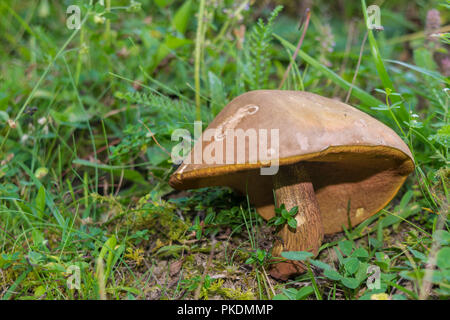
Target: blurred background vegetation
86	117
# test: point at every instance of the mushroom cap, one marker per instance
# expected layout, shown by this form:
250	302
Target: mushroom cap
356	163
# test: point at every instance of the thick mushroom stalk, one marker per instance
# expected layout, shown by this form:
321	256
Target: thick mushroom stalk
293	187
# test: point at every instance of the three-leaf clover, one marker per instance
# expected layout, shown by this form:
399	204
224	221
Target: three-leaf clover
258	257
284	216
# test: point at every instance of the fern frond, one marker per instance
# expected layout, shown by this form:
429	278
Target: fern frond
257	66
150	103
171	114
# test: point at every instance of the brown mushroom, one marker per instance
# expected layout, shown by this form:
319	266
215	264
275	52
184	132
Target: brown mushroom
336	163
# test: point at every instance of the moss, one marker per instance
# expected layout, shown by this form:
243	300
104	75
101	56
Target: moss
387	236
159	217
110	206
217	288
135	255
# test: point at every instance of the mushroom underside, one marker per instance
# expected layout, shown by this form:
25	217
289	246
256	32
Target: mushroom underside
329	191
359	185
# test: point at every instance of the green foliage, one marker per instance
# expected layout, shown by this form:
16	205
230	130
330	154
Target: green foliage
353	265
259	257
257	61
86	118
158	217
140	137
218	288
284	216
219	209
295	294
297	255
192	284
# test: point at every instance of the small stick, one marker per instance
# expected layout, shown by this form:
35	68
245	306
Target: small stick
9	234
299	44
120	183
357	67
211	255
348	46
427	284
268	281
154	139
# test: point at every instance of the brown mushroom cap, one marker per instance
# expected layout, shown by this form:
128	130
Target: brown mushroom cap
353	159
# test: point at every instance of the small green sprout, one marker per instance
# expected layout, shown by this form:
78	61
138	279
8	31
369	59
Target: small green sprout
282	216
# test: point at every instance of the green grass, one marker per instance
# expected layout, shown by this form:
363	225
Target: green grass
86	118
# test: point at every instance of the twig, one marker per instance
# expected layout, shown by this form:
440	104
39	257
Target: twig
154	139
357	67
198	53
348	46
414	36
268	281
211	255
297	49
9	234
431	263
120	183
93	154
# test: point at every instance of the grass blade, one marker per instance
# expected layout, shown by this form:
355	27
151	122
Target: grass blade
367	100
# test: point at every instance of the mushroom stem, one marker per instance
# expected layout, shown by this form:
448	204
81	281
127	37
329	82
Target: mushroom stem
293	187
